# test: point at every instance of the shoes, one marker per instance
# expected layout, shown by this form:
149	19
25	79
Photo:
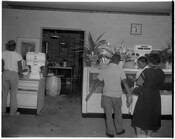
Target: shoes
122	132
15	114
110	135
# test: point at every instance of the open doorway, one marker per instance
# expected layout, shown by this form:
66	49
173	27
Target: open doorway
63	46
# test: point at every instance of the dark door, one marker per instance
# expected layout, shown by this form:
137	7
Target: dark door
64	45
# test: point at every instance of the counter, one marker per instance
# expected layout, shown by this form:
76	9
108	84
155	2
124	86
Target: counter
30	94
93	105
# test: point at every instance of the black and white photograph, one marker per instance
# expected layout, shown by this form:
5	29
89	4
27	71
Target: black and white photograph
87	69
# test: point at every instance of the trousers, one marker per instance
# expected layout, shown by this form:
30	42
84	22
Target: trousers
10	81
110	105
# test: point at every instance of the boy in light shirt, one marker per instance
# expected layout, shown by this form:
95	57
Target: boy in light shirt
113	75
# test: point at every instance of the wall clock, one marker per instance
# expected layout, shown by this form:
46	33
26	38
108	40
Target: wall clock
136	29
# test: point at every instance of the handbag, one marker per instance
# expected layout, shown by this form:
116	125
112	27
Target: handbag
139	89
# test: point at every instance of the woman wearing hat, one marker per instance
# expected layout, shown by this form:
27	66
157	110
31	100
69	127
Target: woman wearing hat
11	67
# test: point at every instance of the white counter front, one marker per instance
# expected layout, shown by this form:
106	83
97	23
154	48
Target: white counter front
30	94
93	105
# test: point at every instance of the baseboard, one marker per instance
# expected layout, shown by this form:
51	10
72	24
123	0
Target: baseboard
24	111
125	116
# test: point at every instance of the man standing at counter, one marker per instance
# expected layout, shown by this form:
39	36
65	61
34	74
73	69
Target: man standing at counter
113	75
12	66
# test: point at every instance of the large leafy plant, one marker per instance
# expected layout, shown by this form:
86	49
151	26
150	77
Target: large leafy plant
93	46
92	49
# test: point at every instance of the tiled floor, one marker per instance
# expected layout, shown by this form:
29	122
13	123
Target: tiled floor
62	117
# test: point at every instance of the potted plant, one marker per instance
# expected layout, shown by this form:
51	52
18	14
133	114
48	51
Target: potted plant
166	55
92	54
125	53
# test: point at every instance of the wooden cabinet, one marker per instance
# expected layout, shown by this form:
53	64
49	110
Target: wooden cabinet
30	94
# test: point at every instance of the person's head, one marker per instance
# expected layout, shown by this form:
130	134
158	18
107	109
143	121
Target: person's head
11	45
142	62
154	59
115	58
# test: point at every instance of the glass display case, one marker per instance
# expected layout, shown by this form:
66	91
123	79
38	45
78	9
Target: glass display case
93	105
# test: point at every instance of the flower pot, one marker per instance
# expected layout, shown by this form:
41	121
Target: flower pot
93	64
162	65
129	65
168	65
121	64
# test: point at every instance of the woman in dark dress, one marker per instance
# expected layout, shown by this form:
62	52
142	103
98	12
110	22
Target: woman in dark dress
147	113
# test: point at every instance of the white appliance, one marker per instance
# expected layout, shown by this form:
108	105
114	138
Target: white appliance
35	61
141	50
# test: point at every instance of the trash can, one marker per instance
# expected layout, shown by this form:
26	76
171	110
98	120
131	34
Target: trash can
53	85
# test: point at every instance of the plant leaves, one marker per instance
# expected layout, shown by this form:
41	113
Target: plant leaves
102	42
91	42
99	37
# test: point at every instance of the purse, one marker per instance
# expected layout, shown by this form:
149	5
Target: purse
139	89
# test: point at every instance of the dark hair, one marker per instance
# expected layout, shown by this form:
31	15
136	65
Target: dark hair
12	47
154	58
143	59
115	58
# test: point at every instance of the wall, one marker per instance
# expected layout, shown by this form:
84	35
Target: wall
156	30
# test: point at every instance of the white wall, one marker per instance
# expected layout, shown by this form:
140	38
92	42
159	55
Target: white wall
156	30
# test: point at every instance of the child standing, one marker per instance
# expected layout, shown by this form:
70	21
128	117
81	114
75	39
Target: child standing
142	64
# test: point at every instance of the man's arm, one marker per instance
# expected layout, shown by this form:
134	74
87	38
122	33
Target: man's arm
96	84
129	96
125	83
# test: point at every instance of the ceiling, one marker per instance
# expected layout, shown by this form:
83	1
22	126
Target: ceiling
109	7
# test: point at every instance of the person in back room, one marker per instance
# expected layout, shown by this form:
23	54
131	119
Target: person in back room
12	66
113	76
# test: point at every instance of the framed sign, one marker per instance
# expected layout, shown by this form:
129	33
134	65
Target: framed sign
136	29
25	45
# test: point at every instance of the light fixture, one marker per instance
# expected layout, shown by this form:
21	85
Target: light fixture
55	35
63	40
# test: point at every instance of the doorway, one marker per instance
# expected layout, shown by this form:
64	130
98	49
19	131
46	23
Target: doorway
64	45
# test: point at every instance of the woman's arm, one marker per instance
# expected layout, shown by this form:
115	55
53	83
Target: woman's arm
139	81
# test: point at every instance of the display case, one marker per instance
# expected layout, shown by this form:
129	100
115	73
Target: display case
93	105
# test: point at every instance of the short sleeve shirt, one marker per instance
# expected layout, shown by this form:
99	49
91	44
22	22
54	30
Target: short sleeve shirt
11	59
112	75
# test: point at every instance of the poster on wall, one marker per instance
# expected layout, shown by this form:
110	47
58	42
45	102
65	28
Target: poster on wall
25	45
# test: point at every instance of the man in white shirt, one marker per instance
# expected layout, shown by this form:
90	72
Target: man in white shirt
11	68
113	75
